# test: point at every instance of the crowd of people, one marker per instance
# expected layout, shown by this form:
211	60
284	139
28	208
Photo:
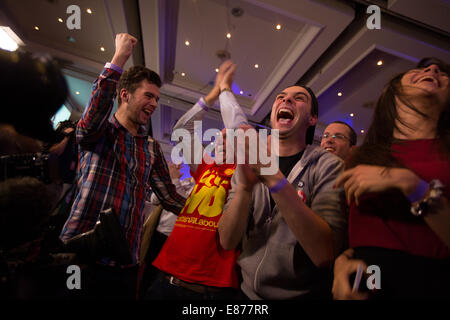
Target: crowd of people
327	224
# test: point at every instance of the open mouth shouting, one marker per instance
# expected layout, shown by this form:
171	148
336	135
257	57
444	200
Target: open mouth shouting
147	112
430	79
285	116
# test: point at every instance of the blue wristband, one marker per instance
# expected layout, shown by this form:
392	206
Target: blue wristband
202	104
112	66
280	184
419	192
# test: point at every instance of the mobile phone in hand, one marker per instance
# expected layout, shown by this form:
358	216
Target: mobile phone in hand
357	278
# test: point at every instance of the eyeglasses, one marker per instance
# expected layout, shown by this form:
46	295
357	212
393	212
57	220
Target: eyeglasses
335	136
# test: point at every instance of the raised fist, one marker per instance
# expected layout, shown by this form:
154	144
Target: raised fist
125	44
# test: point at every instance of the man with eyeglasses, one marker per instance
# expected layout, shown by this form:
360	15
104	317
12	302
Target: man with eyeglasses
339	138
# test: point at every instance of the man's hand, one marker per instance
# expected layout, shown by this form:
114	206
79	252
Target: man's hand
125	44
174	170
226	70
366	178
225	76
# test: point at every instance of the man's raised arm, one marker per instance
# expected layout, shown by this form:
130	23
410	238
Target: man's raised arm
94	119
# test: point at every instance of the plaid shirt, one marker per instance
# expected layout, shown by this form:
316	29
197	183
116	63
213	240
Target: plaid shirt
116	170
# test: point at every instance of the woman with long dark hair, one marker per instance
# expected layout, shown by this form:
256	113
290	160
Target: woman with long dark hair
397	185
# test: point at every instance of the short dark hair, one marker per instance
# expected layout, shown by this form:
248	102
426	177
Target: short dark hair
353	136
131	79
314	112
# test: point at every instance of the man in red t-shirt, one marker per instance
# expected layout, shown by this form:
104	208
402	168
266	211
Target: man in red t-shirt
192	262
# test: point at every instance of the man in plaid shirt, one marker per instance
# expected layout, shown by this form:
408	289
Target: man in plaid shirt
118	165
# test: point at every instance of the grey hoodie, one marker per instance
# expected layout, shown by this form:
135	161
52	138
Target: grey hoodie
273	264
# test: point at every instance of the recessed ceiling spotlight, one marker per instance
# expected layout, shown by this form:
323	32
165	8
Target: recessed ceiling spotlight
183	74
241	92
362	131
187	43
278	27
60	20
88	10
352	115
340	94
102	49
77	92
237	12
256	66
228	35
380	63
217	69
36	28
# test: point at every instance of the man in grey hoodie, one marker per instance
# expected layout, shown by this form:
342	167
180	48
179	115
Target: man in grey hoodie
292	224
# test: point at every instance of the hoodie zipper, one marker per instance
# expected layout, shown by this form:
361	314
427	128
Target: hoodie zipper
269	221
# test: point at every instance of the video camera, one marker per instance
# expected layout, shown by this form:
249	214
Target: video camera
41	166
63	125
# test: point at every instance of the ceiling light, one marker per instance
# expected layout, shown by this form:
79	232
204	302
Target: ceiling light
60	20
77	92
362	131
88	10
102	49
187	43
352	115
217	69
340	94
380	63
9	40
256	66
278	26
36	28
183	74
241	92
228	35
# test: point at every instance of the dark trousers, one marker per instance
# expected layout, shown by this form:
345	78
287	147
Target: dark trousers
148	272
106	282
162	289
404	276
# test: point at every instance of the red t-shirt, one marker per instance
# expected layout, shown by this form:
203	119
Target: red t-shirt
192	252
404	231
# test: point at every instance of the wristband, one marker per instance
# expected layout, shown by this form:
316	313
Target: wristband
226	89
419	192
280	184
202	104
431	199
112	66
